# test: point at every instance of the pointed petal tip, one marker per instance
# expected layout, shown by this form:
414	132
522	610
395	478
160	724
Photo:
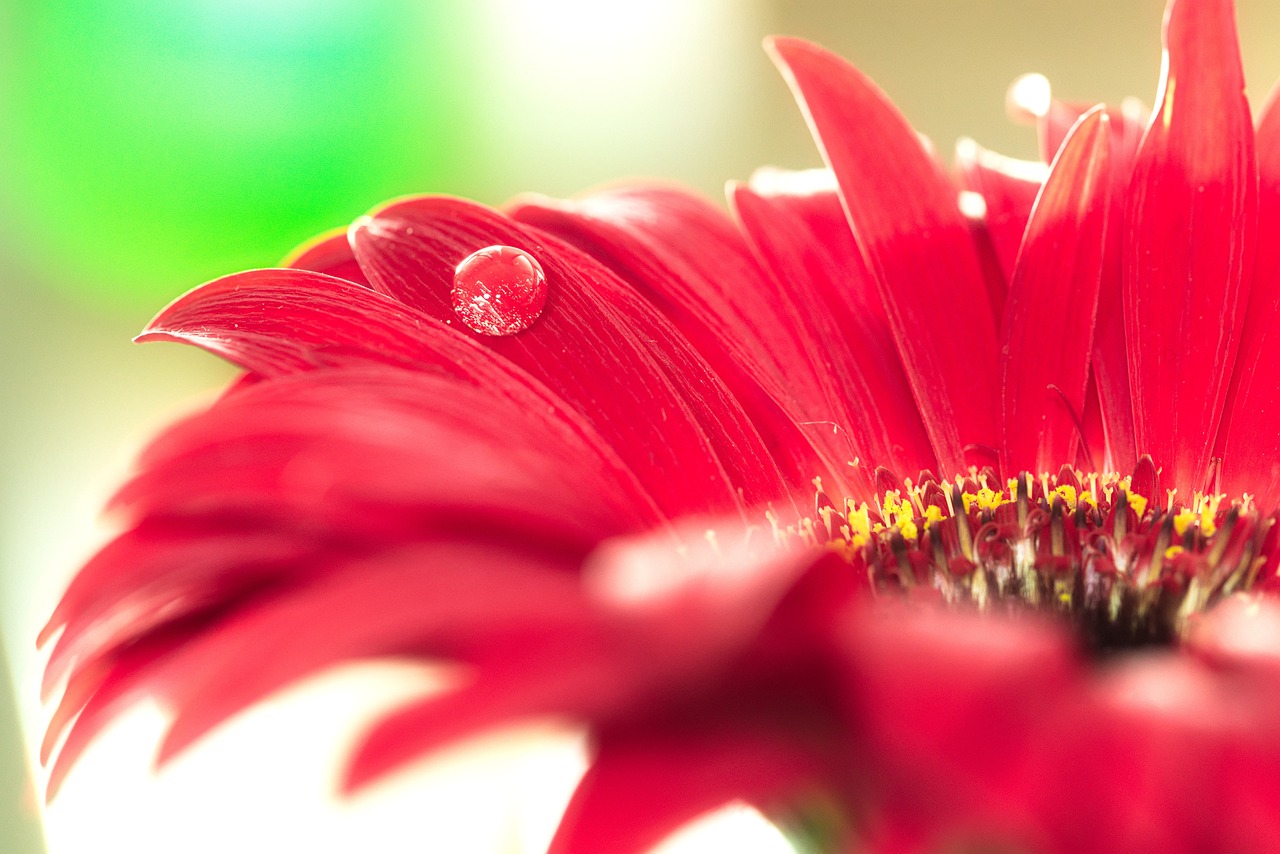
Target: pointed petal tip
785	50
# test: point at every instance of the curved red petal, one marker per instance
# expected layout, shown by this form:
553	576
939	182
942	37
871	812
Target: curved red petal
598	343
685	257
1008	188
1250	442
455	601
392	444
1191	225
905	216
1048	329
329	254
282	321
640	790
799	231
574	682
1178	759
274	482
131	586
1110	359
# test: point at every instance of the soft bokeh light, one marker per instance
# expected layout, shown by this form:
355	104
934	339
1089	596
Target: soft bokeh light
151	143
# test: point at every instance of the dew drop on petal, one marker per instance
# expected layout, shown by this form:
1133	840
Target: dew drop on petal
499	290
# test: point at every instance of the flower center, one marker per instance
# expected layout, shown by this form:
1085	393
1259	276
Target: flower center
1125	569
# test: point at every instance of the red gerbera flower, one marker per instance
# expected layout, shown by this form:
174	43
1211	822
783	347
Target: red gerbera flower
572	447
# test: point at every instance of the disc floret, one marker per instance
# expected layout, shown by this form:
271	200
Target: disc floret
1127	566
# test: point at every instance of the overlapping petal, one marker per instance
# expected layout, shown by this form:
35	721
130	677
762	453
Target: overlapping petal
1047	334
684	256
797	227
1191	228
904	214
598	344
1250	443
558	514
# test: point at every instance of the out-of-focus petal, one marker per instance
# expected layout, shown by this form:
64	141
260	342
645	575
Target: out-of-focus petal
685	257
602	346
1240	633
928	691
904	214
638	791
1191	230
1008	188
447	600
800	232
1179	759
268	485
675	625
1048	330
1250	442
329	254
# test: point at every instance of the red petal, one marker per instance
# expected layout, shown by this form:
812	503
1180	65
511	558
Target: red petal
110	687
800	232
1240	633
674	622
442	600
132	585
1110	362
919	683
598	343
283	321
1009	188
282	478
914	239
685	257
572	682
640	790
1192	220
391	445
1048	328
329	254
1250	446
1177	759
1129	120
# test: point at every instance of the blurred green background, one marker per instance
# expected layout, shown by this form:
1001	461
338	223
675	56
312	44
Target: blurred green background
146	146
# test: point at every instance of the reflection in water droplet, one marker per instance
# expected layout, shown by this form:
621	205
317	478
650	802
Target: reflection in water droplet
499	290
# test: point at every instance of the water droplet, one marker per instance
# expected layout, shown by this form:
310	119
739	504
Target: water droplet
499	290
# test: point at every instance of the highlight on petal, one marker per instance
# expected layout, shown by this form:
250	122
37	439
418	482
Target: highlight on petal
684	256
1008	188
1047	334
1191	229
598	344
281	321
637	792
908	225
329	254
797	228
1250	443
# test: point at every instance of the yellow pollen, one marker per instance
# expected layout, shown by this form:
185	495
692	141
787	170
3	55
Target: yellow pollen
860	525
1068	494
986	499
900	512
901	539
